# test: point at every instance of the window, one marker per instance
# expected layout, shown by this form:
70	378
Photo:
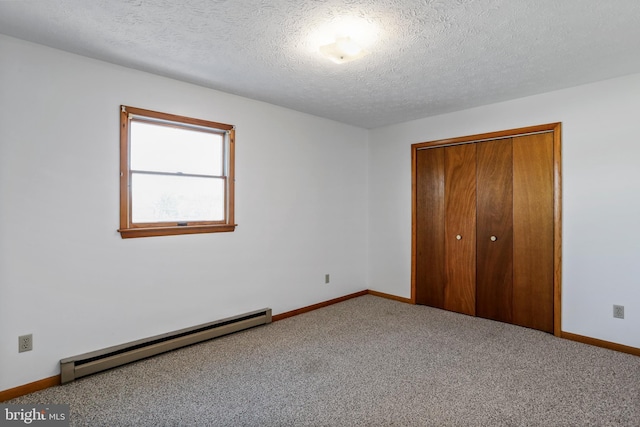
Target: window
176	174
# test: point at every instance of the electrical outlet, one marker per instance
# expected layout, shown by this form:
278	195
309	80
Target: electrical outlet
327	278
25	343
618	311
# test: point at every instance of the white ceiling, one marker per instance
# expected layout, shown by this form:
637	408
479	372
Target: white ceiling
429	57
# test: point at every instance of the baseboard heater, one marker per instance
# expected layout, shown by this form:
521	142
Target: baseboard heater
82	365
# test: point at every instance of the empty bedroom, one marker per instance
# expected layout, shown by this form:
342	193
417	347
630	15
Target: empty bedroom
319	213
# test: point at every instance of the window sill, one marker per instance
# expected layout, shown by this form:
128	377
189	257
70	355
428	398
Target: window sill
128	233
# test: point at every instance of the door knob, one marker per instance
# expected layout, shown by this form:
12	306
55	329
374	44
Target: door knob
458	237
493	238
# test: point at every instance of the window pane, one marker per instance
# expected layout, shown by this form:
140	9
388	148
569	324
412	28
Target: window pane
167	149
160	198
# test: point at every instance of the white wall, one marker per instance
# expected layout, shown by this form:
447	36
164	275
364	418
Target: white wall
601	197
66	275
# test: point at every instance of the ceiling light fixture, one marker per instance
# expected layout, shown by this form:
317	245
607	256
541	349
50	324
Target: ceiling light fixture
342	50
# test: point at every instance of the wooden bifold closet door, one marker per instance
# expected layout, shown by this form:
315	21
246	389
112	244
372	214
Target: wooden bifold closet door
484	229
495	230
533	244
446	224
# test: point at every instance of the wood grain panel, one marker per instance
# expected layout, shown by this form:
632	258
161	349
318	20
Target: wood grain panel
489	136
390	296
322	304
533	231
460	219
494	278
29	388
556	130
429	270
601	343
557	229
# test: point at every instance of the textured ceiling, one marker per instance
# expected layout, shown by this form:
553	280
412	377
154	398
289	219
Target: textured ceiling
426	57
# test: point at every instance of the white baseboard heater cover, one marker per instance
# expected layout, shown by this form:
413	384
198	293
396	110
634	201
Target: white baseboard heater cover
82	365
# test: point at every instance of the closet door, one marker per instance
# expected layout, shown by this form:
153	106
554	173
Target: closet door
460	229
494	279
533	231
445	228
485	226
429	263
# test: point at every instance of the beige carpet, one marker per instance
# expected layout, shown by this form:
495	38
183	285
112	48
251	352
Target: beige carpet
366	362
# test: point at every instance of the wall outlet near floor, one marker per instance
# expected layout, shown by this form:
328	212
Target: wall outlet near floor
618	311
25	343
327	278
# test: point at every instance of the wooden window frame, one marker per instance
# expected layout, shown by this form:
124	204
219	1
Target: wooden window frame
129	229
